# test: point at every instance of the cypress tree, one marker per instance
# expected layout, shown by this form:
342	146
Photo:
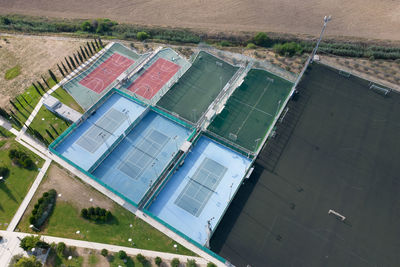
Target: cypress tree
69	65
101	43
83	53
15	119
51	136
87	52
60	70
80	57
53	76
72	62
41	86
97	44
22	106
90	49
37	89
13	104
65	68
76	60
4	114
54	129
25	100
45	82
94	48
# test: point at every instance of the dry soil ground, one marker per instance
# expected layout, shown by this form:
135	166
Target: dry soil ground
360	18
35	56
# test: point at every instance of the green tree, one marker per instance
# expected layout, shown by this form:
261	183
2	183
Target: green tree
28	262
29	242
86	26
158	261
37	89
53	76
104	252
142	259
60	249
210	264
142	36
122	255
262	39
175	262
60	70
191	263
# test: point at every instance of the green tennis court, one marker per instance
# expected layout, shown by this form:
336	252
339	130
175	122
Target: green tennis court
198	87
251	109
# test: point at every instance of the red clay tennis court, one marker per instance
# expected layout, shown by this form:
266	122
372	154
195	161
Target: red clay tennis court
154	78
106	73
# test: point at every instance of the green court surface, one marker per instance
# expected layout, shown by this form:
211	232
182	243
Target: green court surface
337	149
251	109
198	87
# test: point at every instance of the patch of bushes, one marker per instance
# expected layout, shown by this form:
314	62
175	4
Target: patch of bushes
262	39
210	264
175	262
158	261
97	214
288	49
122	255
191	263
43	208
21	159
4	172
141	36
12	73
29	242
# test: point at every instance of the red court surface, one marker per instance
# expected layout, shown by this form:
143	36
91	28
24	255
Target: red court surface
106	73
154	78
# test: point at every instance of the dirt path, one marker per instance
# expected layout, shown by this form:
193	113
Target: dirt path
360	18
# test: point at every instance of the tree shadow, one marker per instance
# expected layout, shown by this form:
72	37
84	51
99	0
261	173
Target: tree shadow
6	190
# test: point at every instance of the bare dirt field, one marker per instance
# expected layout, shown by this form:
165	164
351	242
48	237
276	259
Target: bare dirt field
35	56
359	18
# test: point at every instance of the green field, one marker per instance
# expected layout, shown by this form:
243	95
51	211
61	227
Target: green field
17	184
251	109
42	121
67	99
12	73
198	87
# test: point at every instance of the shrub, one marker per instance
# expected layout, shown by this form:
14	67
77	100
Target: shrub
225	43
141	258
104	252
4	172
191	263
84	213
28	262
60	249
175	262
251	46
288	49
210	264
122	255
142	36
261	39
158	261
29	242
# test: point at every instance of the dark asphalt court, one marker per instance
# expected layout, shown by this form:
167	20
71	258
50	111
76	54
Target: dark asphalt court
338	148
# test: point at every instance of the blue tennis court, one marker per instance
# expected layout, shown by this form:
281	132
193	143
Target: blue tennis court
137	162
200	191
122	144
95	135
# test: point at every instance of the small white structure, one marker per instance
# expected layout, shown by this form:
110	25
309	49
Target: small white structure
54	105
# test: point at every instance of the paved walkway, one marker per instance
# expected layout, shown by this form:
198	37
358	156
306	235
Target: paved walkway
18	215
12	237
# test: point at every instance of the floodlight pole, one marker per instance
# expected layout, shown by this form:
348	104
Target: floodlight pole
326	20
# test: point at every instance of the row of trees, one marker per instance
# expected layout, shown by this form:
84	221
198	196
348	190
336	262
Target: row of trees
21	159
43	208
97	214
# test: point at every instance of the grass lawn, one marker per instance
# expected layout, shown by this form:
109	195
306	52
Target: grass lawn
44	119
67	99
66	219
55	260
17	184
13	72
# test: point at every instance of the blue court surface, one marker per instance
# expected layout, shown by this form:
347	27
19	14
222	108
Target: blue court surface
95	135
201	189
135	164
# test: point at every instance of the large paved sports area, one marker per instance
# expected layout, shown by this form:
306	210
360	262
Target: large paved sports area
336	149
144	137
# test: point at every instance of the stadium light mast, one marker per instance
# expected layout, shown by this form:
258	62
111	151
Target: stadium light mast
326	20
